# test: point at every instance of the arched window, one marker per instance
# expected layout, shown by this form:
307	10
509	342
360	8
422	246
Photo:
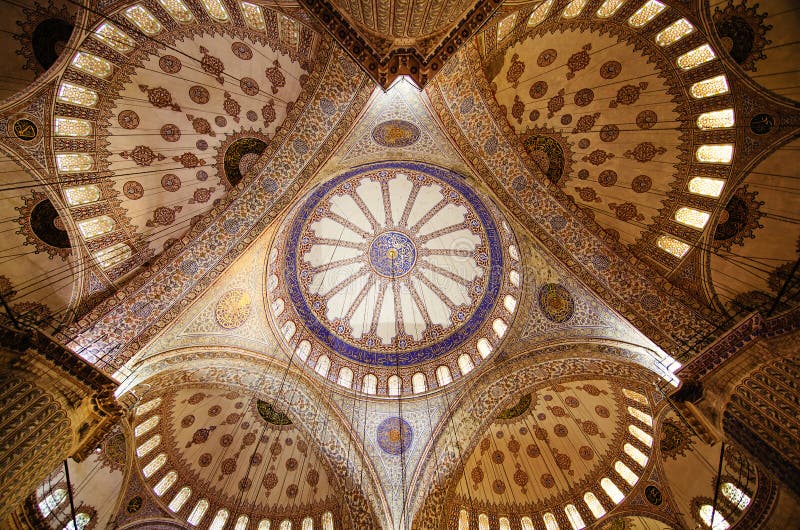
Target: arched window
288	329
676	247
465	363
732	492
263	524
242	522
327	521
696	57
483	522
716	119
500	327
323	365
574	517
550	522
198	512
370	384
463	520
641	435
154	465
144	408
635	396
277	307
719	522
113	255
526	523
115	38
484	347
709	87
443	376
706	186
286	524
165	483
75	127
143	19
82	519
674	32
303	349
308	524
96	226
647	419
82	194
692	217
146	426
272	282
638	456
609	7
180	499
51	501
504	523
177	10
513	252
574	8
219	520
394	384
625	472
345	377
418	383
540	13
510	303
253	15
594	505
513	276
611	490
715	153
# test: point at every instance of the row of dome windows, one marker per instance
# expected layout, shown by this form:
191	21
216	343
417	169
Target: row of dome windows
199	510
101	68
714	86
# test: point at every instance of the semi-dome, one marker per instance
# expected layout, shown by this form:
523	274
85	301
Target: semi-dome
394	278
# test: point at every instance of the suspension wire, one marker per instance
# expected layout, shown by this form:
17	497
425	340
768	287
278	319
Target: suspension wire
69	494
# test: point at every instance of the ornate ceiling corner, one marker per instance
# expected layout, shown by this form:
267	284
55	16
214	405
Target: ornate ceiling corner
396	40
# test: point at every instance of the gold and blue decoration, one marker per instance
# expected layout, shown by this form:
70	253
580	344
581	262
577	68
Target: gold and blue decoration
239	152
520	408
395	133
653	495
25	129
394	435
270	415
556	302
392	254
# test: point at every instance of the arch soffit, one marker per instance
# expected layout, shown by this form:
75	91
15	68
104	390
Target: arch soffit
478	404
314	413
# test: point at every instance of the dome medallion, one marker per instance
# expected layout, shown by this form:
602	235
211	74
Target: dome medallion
393	269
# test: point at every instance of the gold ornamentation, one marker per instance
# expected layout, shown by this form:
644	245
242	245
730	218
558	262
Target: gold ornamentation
233	309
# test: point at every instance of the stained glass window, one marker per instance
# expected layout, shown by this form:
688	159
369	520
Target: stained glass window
303	349
505	26
217	11
76	95
674	246
635	396
327	521
715	154
465	363
82	519
513	277
82	195
594	505
345	377
484	347
611	490
609	7
288	329
694	58
198	512
323	365
504	523
394	384
92	65
483	522
74	162
713	86
691	217
272	282
527	523
574	8
219	520
540	13
575	519
264	524
418	383
513	252
51	501
146	426
647	419
717	119
674	32
370	384
113	255
500	327
308	524
114	38
96	226
510	303
253	16
646	13
638	456
148	446
625	472
286	525
72	127
165	483
242	522
143	19
739	498
642	436
277	307
180	499
443	376
550	522
154	465
719	522
463	520
177	10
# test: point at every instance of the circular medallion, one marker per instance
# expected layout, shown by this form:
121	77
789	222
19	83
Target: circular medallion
25	130
391	264
199	94
170	64
47	225
395	133
233	309
239	156
759	124
394	436
134	505
128	119
653	495
556	302
392	254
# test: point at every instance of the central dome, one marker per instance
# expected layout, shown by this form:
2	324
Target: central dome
392	265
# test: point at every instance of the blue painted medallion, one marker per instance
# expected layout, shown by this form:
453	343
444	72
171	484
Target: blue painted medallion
392	254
